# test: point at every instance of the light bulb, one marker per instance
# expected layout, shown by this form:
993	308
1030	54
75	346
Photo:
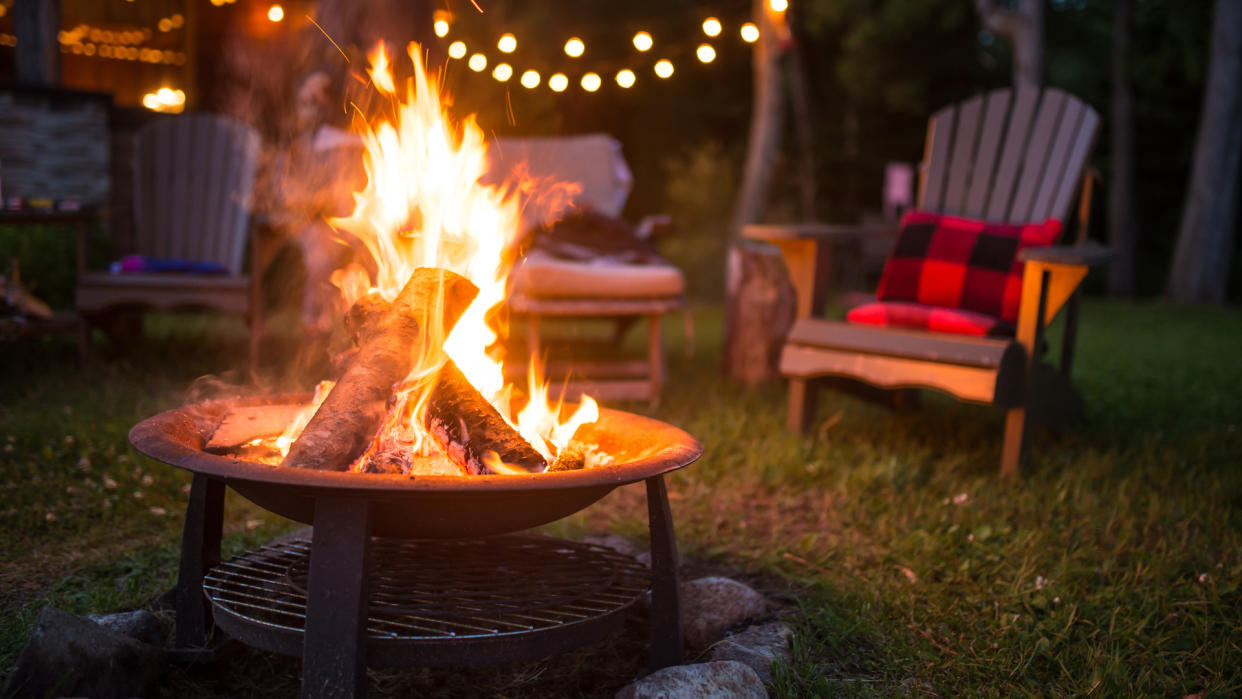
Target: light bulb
442	28
574	47
558	82
591	82
530	79
507	43
477	62
711	26
750	33
457	49
642	41
706	53
664	68
502	72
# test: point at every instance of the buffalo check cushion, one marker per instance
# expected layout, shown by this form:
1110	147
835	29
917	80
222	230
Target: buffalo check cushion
949	262
935	318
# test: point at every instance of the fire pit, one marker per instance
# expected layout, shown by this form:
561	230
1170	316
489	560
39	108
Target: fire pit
333	601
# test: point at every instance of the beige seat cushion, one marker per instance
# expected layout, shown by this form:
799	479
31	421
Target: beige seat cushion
540	275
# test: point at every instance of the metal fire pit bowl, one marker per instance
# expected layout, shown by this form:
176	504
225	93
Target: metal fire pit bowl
421	507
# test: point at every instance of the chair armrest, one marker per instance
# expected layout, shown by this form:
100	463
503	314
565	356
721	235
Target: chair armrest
653	226
807	248
1085	254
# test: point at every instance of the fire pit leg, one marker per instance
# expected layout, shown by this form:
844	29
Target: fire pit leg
666	630
200	552
334	647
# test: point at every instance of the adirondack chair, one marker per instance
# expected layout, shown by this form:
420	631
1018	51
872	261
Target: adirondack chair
1004	157
193	177
543	287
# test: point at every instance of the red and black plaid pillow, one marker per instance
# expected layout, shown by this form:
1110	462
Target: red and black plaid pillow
954	262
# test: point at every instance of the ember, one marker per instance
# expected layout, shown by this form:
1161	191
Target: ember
422	378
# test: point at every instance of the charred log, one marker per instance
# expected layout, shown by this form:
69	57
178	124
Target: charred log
389	343
572	458
467	427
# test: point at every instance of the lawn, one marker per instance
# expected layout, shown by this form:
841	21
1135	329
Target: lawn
905	565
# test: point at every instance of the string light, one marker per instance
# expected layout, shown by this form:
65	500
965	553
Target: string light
457	49
165	100
441	28
625	78
530	79
275	13
664	68
642	41
711	26
591	82
706	53
778	5
477	62
507	43
574	47
750	33
558	82
502	72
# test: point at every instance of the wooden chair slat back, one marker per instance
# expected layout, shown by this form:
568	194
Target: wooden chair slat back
962	162
193	180
1080	148
1058	158
995	116
1007	156
936	158
1038	148
1014	146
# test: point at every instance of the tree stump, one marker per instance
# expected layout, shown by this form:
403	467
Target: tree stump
760	312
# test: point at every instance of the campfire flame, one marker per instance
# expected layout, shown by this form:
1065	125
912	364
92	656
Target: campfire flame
424	206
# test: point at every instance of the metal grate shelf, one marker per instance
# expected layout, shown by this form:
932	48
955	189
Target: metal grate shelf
441	601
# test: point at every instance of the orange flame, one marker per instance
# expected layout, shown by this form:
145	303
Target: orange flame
424	206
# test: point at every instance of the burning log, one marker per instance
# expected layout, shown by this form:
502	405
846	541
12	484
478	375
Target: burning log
467	427
387	349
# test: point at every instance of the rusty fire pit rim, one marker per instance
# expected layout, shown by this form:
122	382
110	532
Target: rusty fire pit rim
154	437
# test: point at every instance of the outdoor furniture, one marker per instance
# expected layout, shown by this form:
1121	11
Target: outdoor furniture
17	323
543	287
1004	157
193	177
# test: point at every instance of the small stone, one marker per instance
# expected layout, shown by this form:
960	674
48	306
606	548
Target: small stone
720	678
712	606
71	656
758	647
138	624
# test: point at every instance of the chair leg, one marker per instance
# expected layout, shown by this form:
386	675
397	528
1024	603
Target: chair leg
1015	435
655	356
803	395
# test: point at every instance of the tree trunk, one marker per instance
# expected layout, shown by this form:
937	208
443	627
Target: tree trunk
1201	260
767	115
801	102
1023	28
762	152
1121	234
36	23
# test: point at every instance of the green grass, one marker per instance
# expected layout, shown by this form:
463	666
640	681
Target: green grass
904	563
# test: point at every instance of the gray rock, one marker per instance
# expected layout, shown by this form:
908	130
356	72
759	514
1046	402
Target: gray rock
138	624
68	655
712	606
617	543
758	647
715	679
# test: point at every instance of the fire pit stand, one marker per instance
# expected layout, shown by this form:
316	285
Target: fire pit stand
334	643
